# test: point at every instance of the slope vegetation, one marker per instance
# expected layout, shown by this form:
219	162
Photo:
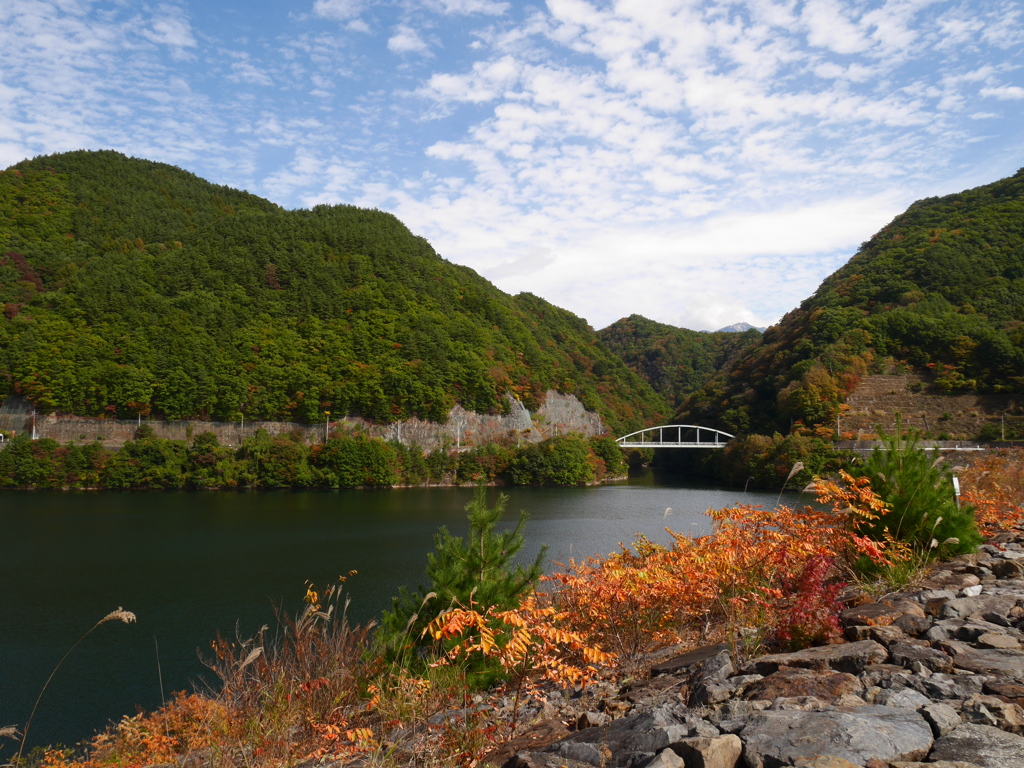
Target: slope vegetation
134	287
674	361
940	290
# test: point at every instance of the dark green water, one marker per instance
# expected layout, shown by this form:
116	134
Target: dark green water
190	564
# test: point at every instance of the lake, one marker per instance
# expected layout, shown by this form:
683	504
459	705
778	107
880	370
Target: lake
189	564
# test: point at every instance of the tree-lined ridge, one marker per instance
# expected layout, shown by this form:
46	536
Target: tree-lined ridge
132	287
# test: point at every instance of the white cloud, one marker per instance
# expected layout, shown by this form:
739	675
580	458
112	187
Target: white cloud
468	7
407	40
246	72
1004	92
172	30
338	10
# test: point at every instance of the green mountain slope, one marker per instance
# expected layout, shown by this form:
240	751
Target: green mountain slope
941	289
135	287
674	361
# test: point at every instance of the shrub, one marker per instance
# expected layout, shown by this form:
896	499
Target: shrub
918	490
477	571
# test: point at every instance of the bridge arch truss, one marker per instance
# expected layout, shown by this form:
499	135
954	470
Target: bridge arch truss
675	436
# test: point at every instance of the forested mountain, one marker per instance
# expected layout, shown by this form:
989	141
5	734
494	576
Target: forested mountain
675	361
135	287
940	289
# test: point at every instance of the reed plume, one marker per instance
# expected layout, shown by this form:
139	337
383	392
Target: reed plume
121	615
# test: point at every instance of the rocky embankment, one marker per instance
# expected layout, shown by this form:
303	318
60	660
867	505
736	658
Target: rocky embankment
931	677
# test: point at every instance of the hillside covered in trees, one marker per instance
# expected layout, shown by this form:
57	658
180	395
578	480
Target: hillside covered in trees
132	287
675	361
940	290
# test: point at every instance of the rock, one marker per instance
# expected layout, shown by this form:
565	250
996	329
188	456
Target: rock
972	629
913	626
712	692
541	760
994	640
801	682
960	607
880	614
583	752
535	737
591	720
947	580
1007	690
995	662
824	761
940	764
801	703
848	657
982	745
973	591
941	717
888	635
677	663
951	687
666	759
906	698
991	710
906	654
998	619
718	752
775	738
885	676
1008	569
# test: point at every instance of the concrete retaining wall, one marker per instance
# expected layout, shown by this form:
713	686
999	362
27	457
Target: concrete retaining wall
558	415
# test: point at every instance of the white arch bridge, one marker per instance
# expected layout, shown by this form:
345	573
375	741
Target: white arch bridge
675	436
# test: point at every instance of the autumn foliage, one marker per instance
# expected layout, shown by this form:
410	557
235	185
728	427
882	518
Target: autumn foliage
760	571
995	486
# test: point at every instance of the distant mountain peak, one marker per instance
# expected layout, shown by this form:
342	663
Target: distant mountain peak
739	328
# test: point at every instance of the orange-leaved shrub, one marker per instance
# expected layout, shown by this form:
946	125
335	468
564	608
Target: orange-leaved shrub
748	574
995	486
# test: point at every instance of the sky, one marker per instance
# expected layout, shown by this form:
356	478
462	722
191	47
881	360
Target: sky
698	163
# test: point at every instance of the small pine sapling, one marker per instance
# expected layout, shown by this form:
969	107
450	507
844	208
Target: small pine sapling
476	571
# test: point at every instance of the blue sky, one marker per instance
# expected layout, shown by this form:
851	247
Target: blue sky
700	163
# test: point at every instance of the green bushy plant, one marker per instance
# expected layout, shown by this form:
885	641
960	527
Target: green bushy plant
475	571
918	488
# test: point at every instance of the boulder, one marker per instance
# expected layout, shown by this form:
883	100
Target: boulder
991	710
947	580
995	662
824	761
905	654
788	682
685	660
846	657
880	614
914	626
941	717
702	752
857	734
997	640
666	759
982	745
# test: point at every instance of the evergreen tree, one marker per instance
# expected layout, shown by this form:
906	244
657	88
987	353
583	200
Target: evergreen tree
477	572
918	487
